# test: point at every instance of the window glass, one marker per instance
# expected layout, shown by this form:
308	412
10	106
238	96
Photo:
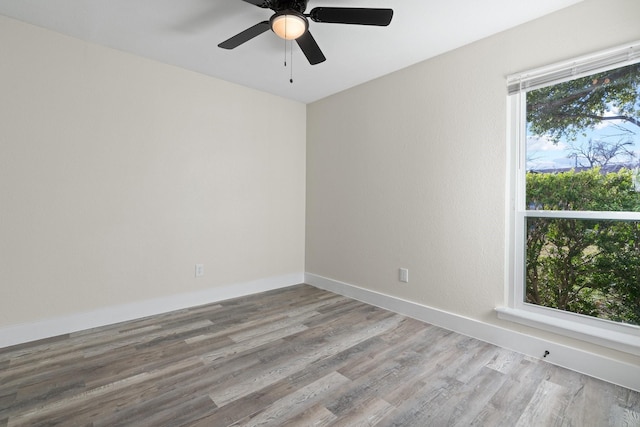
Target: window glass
589	267
582	174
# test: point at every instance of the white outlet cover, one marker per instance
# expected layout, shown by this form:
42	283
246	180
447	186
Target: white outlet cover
199	270
404	275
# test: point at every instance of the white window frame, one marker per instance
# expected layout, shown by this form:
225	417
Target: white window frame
619	336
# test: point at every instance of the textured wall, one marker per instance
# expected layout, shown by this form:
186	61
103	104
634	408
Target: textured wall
118	174
410	170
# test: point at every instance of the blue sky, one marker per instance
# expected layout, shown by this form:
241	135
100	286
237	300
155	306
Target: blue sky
542	153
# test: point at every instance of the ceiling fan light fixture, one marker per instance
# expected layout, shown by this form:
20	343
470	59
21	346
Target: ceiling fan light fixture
289	24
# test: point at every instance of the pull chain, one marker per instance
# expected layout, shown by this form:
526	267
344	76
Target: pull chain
290	54
285	42
290	59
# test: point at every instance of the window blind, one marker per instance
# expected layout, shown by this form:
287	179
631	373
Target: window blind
534	79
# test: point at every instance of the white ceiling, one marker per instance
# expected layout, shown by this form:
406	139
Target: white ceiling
186	33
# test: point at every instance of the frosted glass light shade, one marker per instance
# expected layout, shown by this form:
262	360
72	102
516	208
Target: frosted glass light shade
289	26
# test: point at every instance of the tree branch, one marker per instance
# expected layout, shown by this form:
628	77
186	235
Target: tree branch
629	119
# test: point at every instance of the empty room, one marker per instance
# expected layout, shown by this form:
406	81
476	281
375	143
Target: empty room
410	213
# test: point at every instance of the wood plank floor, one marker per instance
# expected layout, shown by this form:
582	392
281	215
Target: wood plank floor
298	356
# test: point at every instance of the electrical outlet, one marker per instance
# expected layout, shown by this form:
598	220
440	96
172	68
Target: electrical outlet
199	270
404	275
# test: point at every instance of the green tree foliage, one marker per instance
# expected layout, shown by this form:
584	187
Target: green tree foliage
565	110
618	271
590	267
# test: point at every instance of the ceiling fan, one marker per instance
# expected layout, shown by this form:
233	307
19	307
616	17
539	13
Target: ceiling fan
291	23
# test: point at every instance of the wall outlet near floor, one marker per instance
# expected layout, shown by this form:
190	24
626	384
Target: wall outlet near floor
199	270
404	275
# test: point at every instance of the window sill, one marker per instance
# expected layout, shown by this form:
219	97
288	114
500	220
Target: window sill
624	338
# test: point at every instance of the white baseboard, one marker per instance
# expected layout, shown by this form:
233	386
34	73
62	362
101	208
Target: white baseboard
597	366
610	370
26	332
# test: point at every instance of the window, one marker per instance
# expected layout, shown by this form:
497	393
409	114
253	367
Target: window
574	237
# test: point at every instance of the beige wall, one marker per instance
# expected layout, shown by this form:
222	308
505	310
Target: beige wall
410	170
118	174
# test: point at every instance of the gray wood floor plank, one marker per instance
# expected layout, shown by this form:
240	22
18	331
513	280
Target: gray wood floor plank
369	412
507	405
293	357
545	406
316	416
241	386
293	404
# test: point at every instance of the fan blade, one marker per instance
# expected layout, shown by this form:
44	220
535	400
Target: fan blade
265	4
245	35
352	15
310	48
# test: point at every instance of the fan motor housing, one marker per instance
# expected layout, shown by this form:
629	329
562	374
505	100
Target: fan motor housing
297	5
